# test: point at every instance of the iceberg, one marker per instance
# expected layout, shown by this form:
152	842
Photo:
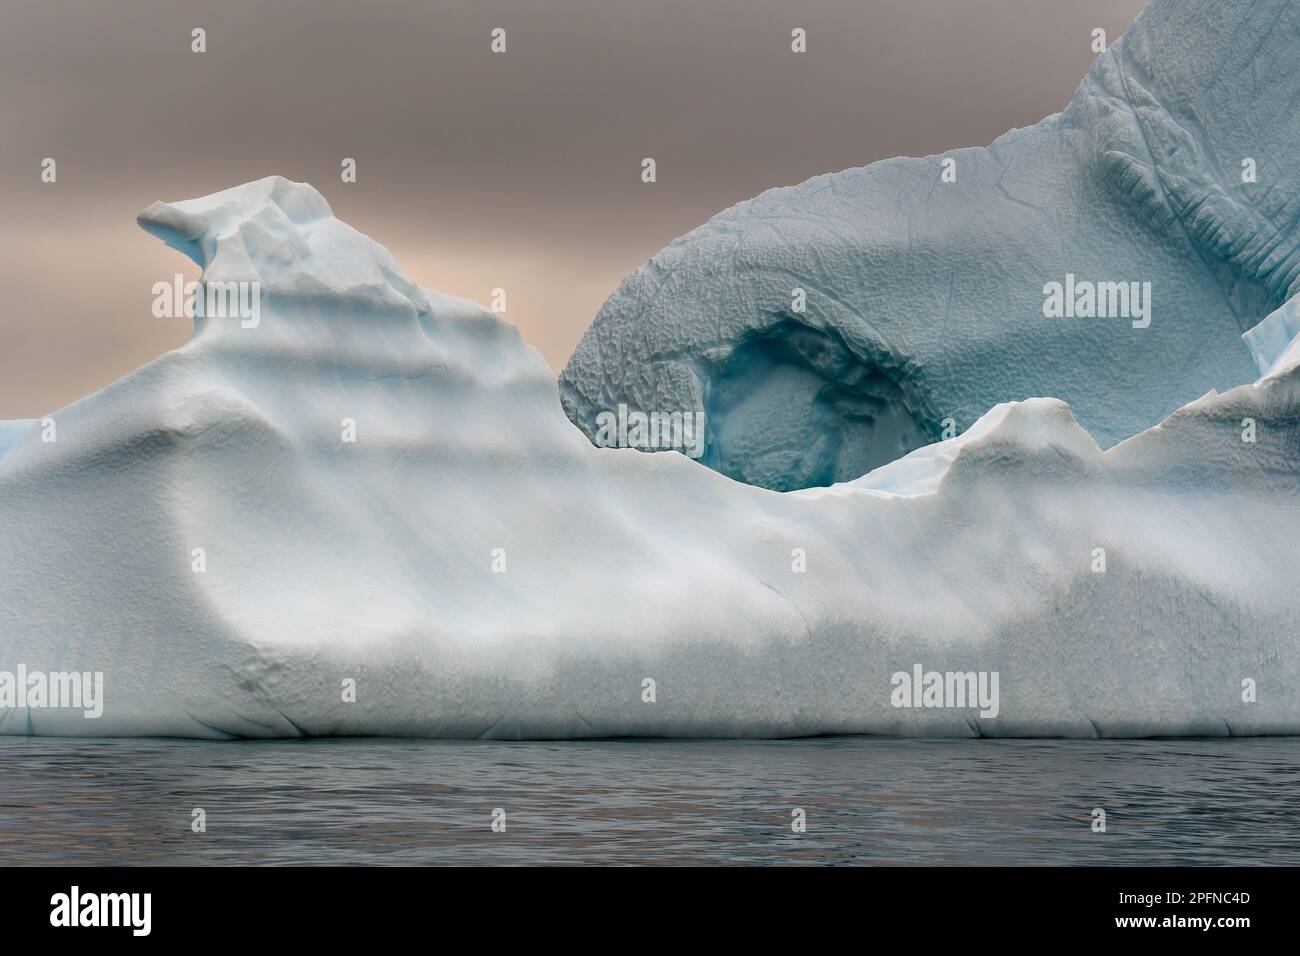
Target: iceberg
368	514
1110	255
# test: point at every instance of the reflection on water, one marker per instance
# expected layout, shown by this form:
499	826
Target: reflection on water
867	800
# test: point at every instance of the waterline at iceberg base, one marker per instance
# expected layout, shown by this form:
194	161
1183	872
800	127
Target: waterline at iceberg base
203	534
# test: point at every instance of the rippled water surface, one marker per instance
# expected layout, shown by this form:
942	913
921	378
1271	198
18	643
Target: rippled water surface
867	800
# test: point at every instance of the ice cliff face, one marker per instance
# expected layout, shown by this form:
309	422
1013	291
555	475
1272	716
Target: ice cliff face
830	327
204	533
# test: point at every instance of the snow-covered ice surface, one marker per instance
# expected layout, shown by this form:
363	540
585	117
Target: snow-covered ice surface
924	298
373	560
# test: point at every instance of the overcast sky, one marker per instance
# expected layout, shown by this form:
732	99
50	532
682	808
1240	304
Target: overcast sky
477	170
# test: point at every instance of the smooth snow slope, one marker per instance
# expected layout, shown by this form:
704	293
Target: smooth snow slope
373	560
924	298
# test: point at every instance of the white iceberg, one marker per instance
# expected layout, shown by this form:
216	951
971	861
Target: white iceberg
203	533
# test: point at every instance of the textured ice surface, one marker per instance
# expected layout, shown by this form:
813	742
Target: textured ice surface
925	298
373	560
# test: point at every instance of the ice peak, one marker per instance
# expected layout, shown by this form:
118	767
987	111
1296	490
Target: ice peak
283	236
